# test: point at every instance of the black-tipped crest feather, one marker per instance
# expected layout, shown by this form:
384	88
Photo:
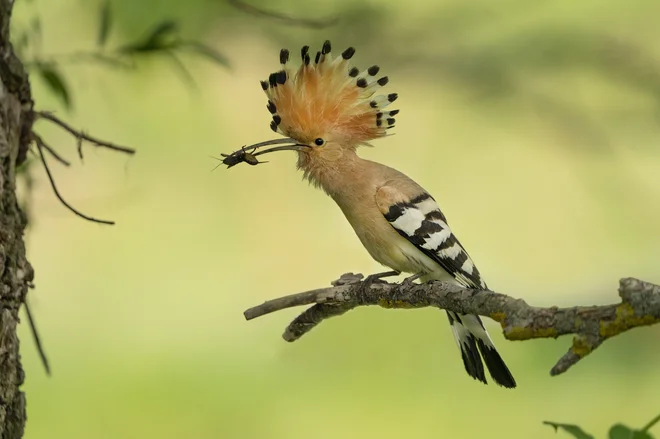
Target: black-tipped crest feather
286	89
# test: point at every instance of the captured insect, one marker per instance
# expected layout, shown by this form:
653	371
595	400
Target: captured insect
248	155
240	156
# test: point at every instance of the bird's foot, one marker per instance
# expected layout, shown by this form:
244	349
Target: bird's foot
408	282
347	279
372	278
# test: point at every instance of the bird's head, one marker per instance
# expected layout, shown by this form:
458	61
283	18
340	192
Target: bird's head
326	106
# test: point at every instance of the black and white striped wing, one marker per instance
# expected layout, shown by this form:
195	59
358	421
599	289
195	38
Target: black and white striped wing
422	223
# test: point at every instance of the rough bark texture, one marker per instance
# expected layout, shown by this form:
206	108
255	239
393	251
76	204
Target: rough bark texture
15	271
592	325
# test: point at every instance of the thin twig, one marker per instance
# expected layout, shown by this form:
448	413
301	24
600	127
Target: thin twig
306	22
52	151
592	325
79	145
79	135
37	339
40	148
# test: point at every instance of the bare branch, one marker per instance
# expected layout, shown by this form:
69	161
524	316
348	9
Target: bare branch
52	151
80	136
306	22
592	325
40	148
37	339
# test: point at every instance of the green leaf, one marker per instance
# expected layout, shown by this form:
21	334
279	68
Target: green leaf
56	83
206	51
620	431
105	23
163	36
574	430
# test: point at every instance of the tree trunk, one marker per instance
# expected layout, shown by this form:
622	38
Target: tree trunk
15	271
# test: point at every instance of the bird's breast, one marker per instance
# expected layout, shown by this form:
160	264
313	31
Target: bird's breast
383	242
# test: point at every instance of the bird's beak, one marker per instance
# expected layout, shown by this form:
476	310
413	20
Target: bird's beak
248	153
289	144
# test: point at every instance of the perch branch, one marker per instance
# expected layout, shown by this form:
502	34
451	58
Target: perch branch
80	136
591	325
306	22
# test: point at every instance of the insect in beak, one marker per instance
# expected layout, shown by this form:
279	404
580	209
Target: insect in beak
242	155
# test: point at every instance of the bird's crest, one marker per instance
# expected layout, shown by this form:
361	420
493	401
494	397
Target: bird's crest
327	94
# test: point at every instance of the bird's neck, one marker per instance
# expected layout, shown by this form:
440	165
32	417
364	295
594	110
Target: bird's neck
333	175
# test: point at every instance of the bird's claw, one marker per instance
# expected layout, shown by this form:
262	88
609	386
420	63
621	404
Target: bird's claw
347	279
372	278
408	282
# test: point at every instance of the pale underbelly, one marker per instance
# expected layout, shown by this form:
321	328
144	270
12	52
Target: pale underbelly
394	251
387	247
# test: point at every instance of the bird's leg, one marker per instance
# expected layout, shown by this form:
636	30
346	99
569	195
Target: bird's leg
369	280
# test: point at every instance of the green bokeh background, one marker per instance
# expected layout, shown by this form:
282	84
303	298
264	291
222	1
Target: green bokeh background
534	125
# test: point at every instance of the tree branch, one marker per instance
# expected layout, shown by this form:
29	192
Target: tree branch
40	147
294	21
49	149
80	136
592	325
37	338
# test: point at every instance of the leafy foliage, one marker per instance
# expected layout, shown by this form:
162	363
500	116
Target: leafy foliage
55	82
618	431
164	39
163	36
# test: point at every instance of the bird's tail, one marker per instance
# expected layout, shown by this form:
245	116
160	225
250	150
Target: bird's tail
475	343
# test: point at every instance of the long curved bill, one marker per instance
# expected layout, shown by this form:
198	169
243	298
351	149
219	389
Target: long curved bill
248	154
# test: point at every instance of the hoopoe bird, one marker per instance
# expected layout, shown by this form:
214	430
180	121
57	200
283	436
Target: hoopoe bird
327	108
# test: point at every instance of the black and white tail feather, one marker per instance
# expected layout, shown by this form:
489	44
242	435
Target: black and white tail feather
422	223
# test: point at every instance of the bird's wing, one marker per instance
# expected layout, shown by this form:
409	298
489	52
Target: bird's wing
419	219
415	215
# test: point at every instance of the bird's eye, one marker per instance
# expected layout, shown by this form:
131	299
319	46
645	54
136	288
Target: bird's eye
319	142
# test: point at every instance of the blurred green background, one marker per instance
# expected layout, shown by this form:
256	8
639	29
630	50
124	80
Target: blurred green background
535	126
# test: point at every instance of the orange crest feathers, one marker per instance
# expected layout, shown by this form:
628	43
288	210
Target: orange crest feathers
328	96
